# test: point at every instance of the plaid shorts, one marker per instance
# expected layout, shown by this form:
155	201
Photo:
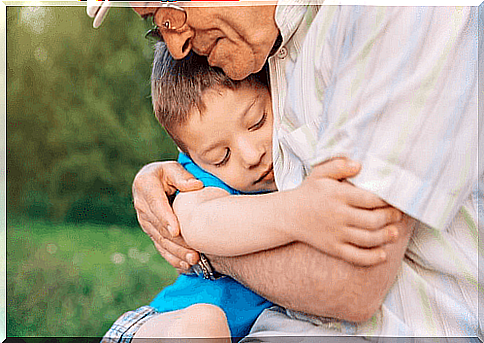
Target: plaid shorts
125	327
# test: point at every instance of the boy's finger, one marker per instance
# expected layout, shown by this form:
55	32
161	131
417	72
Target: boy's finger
372	219
371	239
338	168
362	257
361	198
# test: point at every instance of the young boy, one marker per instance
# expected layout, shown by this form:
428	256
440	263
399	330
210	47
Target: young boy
224	130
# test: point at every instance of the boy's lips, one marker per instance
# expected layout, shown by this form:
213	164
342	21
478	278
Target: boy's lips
268	174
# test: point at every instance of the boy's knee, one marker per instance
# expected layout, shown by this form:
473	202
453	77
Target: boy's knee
199	320
207	314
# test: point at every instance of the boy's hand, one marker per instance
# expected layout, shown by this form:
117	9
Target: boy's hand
151	188
341	219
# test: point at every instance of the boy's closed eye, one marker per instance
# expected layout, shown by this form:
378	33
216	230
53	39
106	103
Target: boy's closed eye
225	159
260	123
254	127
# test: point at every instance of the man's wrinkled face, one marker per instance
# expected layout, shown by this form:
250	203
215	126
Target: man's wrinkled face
237	39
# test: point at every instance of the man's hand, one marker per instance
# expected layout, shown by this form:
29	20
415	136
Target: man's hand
151	188
340	219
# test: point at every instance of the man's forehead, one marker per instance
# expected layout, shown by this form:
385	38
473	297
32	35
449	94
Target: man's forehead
146	8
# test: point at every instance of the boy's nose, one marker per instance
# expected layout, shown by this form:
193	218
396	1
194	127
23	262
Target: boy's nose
251	153
179	43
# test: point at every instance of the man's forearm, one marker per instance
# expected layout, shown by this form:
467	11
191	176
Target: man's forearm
302	278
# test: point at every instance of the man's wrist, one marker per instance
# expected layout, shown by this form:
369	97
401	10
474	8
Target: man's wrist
207	269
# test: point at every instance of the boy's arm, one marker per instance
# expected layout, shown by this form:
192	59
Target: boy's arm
214	222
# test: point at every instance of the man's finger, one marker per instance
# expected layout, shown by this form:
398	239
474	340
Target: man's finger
176	250
151	224
179	178
174	261
150	230
162	215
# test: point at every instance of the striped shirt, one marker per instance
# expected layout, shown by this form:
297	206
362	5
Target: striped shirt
394	88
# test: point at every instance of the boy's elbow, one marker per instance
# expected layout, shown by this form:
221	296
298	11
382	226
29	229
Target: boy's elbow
193	228
198	231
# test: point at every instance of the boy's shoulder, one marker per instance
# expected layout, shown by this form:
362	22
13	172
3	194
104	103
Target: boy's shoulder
208	179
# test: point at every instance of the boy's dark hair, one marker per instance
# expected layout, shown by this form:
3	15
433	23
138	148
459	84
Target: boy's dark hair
177	86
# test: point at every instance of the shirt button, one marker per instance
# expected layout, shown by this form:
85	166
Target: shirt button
282	53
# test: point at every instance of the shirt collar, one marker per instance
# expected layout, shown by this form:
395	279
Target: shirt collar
289	14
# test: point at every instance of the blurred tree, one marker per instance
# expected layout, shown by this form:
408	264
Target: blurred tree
79	115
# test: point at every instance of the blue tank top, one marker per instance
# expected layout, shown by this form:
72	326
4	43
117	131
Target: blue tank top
240	304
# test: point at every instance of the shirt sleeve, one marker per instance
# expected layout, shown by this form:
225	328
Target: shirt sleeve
397	88
208	179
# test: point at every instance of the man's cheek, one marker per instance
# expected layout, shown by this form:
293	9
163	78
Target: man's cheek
238	65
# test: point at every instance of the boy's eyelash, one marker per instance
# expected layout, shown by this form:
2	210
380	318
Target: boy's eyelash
260	122
225	160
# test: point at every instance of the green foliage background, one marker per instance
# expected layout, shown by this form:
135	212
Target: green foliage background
74	280
79	115
79	127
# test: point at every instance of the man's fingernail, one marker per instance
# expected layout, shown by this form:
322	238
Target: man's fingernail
171	230
184	265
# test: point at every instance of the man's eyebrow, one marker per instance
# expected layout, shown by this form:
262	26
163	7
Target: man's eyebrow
242	113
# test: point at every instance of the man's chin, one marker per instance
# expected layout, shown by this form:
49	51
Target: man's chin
236	75
238	71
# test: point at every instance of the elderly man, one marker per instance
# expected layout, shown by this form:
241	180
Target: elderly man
392	87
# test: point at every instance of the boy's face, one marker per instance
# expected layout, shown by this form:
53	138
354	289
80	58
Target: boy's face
232	137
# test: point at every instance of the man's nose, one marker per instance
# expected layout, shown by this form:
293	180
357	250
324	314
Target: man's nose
179	43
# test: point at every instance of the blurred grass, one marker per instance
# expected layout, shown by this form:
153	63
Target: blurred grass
75	280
